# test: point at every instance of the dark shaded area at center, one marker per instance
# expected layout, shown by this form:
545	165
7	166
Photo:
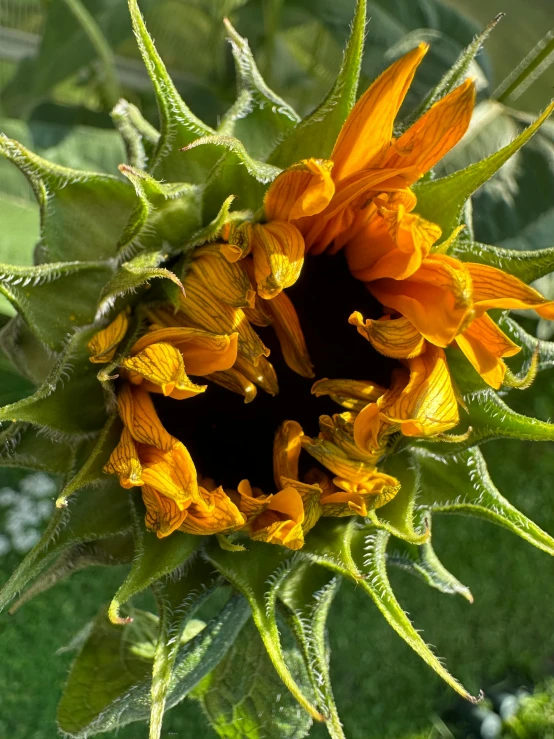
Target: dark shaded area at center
230	440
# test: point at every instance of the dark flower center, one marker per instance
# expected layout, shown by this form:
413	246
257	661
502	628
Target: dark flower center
230	440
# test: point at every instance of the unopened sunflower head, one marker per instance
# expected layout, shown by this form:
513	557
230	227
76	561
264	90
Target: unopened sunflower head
223	422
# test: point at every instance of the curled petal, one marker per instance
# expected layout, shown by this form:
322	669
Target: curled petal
162	366
311	501
140	418
163	515
251	501
236	382
203	352
226	278
437	299
396	337
172	473
278	252
261	374
435	133
337	461
339	429
484	344
286	451
281	522
124	462
289	332
304	189
216	514
493	288
359	498
351	394
368	129
103	344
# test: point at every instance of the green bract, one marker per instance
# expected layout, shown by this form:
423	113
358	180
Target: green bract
107	241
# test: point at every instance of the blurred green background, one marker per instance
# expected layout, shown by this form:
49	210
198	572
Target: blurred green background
63	65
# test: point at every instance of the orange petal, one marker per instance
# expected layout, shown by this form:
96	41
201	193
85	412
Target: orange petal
227	280
236	382
289	332
162	365
396	337
435	133
124	462
162	514
311	501
304	189
139	416
286	451
367	131
484	344
103	344
370	426
249	503
337	461
351	394
436	298
281	523
172	473
216	514
278	252
358	499
493	288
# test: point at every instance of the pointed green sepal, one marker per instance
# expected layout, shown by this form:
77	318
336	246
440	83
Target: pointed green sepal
525	265
442	201
315	136
461	484
257	574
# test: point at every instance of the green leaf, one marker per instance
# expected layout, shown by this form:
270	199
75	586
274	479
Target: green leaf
115	665
316	135
422	562
70	401
461	484
178	125
259	118
154	559
87	518
399	516
308	592
13	386
97	454
22	448
442	200
103	553
257	574
53	298
133	275
25	351
525	265
82	213
376	584
239	696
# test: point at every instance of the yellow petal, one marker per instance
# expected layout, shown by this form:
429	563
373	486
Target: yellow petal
124	462
215	515
251	502
484	344
139	416
311	501
289	332
236	382
227	279
203	352
493	288
286	451
304	189
339	430
262	374
435	133
172	473
359	498
367	131
201	310
162	514
436	298
337	461
427	405
396	337
278	252
103	344
281	523
162	365
352	394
